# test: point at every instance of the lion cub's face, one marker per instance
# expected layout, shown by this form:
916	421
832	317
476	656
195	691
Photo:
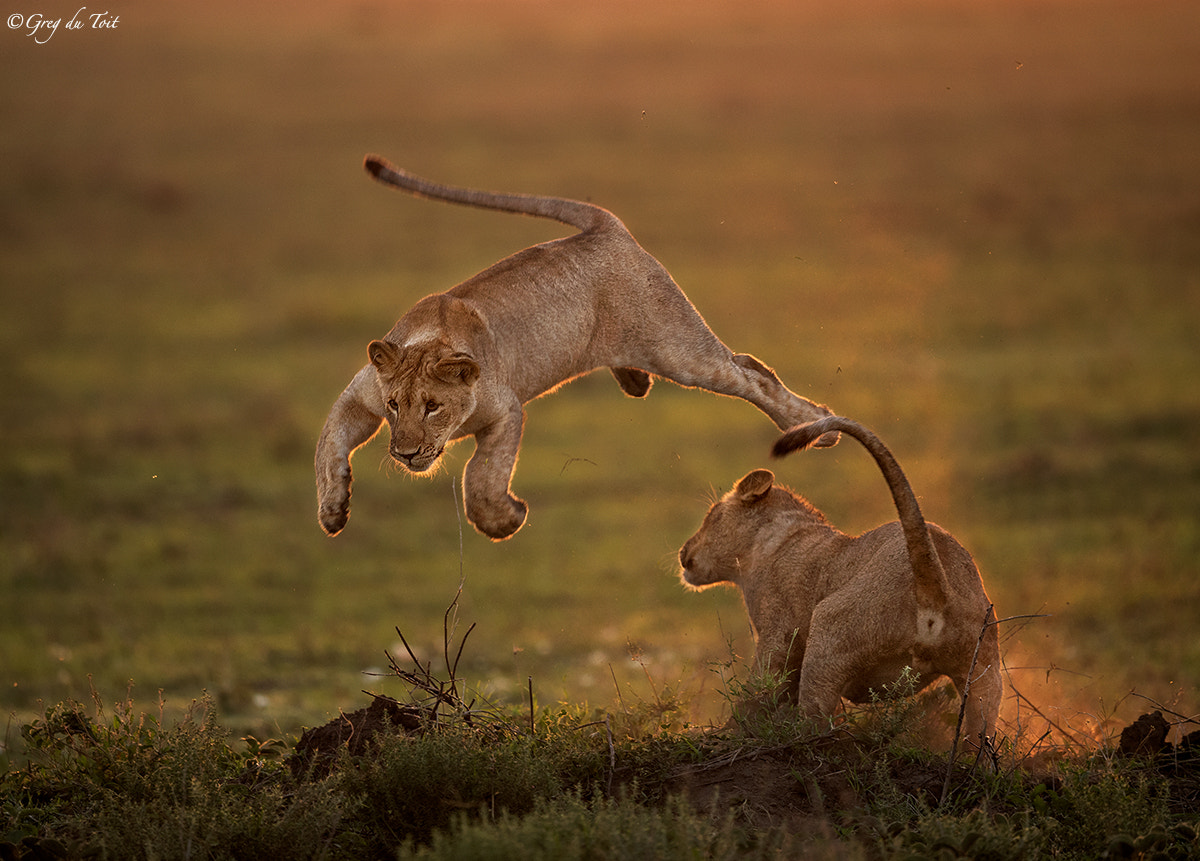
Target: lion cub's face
428	392
729	533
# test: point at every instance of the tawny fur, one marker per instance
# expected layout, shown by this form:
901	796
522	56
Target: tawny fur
464	362
840	616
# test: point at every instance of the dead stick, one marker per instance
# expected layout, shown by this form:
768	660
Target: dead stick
1182	718
531	731
1042	714
988	620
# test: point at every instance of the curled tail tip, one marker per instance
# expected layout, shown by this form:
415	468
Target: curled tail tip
799	437
815	434
375	164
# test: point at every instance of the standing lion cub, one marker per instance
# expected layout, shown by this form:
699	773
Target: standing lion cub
462	363
838	616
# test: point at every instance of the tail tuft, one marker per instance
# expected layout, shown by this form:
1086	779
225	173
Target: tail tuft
375	165
801	437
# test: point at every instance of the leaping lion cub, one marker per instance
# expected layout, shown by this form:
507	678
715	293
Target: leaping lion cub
462	363
839	616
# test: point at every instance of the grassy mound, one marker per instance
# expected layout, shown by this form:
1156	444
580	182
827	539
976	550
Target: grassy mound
441	777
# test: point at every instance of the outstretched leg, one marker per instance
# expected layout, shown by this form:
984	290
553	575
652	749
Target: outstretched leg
785	407
740	375
490	506
677	344
356	416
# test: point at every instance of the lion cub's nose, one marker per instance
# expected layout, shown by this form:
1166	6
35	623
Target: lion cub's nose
685	557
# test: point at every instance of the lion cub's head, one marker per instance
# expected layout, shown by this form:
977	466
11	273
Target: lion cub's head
754	516
428	391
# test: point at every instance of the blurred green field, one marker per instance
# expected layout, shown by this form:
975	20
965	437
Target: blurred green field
974	227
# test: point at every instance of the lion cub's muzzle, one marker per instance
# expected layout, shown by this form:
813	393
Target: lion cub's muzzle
687	562
416	461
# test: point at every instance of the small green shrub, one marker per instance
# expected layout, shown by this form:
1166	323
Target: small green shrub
977	835
412	786
122	784
1101	800
570	829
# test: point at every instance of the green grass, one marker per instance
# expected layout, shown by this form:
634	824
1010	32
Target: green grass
972	229
477	781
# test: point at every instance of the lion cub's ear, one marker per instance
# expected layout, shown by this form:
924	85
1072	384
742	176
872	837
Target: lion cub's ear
384	355
456	367
755	485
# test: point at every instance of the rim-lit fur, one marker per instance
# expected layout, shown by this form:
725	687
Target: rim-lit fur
841	616
464	362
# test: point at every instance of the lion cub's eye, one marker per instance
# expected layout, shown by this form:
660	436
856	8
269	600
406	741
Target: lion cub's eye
431	407
392	405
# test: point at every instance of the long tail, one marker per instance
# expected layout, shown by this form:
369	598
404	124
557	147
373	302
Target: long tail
576	213
929	575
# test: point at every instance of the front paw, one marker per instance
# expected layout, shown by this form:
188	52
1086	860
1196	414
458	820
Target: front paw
500	521
333	509
333	517
333	495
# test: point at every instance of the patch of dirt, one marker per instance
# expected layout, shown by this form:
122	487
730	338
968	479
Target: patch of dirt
762	789
1179	763
1146	736
319	748
804	787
